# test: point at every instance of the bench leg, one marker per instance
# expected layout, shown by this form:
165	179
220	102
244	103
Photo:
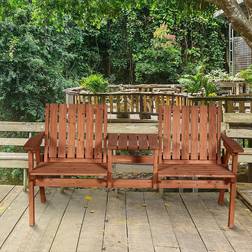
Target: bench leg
221	197
232	205
42	194
31	204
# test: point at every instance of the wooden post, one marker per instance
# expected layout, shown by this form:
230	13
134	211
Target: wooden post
250	164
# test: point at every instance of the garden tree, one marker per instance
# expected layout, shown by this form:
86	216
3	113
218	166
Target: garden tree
240	18
46	46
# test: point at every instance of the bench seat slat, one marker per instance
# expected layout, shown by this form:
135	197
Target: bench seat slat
216	171
70	169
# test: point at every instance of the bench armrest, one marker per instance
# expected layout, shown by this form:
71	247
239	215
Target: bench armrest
33	143
232	146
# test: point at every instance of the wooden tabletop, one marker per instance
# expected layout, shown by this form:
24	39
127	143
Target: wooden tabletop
137	141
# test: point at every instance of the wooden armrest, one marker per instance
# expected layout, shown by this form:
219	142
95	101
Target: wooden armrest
33	143
231	145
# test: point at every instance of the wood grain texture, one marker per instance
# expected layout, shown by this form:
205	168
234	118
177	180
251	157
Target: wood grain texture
62	130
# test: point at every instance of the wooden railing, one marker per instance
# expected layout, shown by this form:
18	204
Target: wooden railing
230	104
12	139
122	103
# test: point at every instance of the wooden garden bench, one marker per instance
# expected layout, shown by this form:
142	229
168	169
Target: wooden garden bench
190	151
74	145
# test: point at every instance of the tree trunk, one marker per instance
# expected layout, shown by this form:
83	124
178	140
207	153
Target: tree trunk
240	21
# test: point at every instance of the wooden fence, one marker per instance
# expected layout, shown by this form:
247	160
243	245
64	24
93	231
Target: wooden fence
230	104
126	104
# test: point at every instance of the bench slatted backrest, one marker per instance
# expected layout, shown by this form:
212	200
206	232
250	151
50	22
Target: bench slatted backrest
190	134
75	132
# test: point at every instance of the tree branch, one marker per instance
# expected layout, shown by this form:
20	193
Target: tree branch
248	4
237	17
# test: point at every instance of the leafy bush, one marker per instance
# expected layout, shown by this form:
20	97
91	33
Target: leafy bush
247	74
198	82
161	62
95	83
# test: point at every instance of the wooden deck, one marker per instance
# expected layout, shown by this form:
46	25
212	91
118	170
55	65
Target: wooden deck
94	220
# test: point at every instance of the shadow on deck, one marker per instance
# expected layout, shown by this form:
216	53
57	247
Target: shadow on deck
95	220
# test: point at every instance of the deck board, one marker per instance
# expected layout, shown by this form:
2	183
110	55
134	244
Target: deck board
124	221
206	225
91	234
239	238
139	232
183	226
115	237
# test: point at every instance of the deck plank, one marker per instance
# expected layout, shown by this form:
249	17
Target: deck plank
91	236
6	202
159	221
4	190
68	233
206	225
92	220
183	226
22	233
139	233
238	237
115	236
47	225
11	216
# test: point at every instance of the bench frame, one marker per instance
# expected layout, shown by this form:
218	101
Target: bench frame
200	128
232	150
62	124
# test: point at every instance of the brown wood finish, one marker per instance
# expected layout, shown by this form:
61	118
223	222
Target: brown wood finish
75	144
133	142
195	152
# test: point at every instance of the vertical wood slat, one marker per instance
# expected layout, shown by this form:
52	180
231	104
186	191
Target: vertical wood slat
62	131
194	132
144	103
219	120
133	142
104	107
176	133
125	104
71	130
98	131
118	108
89	132
47	110
167	133
143	142
80	150
212	137
157	102
131	103
185	132
241	107
111	100
203	132
53	122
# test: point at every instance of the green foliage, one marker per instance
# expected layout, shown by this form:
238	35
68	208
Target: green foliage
247	74
198	82
37	63
46	46
95	83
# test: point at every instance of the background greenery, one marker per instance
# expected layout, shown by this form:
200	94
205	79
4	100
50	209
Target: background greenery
46	46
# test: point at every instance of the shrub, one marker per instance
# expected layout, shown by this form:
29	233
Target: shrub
247	75
94	83
161	62
198	82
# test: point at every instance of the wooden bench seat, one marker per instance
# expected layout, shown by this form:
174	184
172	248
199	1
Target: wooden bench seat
75	141
192	170
70	169
190	147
